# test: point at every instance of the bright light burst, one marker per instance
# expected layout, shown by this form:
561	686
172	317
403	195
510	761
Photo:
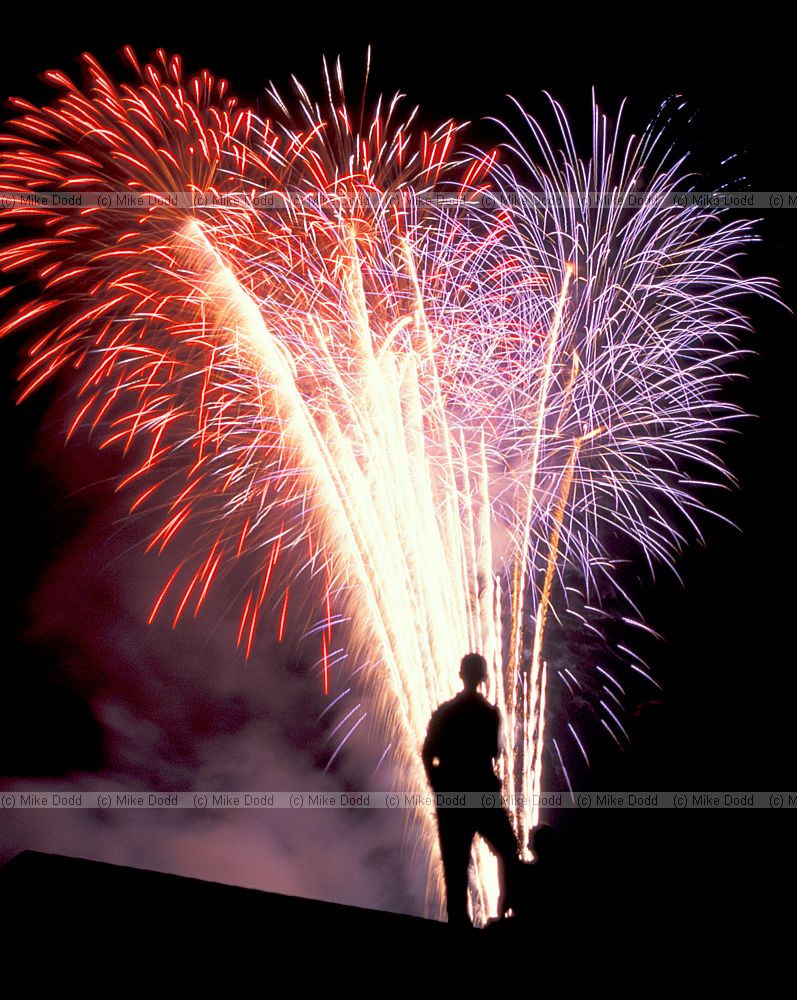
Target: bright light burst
326	375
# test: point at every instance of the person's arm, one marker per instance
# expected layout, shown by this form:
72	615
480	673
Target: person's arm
430	747
498	743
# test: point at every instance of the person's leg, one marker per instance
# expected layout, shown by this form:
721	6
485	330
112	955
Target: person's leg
496	828
456	836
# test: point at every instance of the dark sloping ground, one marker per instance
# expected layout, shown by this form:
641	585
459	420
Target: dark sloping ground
49	896
604	922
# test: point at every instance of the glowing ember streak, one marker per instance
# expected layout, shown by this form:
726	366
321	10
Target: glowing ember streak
435	409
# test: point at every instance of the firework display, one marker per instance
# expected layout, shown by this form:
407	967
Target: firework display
352	359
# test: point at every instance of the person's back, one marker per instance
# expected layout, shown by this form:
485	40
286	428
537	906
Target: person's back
463	736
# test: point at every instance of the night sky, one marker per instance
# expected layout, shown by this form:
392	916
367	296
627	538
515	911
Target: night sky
93	697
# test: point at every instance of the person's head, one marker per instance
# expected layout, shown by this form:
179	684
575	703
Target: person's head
473	670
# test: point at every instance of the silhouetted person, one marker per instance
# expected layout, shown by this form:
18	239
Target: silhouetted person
541	895
540	882
542	841
461	743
